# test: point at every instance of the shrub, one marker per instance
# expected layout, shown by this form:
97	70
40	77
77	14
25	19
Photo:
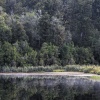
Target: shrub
88	70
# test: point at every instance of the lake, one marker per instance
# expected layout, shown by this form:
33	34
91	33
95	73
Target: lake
48	87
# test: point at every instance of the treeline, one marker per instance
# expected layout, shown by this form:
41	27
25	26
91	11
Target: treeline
49	32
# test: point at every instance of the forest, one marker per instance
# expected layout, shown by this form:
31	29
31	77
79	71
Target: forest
49	32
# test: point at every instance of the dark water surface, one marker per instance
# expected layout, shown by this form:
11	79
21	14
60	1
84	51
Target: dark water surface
48	88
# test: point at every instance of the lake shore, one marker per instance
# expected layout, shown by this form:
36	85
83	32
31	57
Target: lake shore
49	74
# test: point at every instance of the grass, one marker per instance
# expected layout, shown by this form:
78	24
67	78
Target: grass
59	70
54	68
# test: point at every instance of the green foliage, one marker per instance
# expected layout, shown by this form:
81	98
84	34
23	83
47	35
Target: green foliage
19	33
32	57
66	54
8	55
49	54
27	54
97	50
47	32
5	30
84	56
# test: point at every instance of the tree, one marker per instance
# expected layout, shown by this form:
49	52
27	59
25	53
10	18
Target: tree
86	34
5	30
19	33
96	9
83	56
46	32
31	57
30	22
27	54
52	7
52	31
97	51
66	54
49	53
8	55
44	28
2	3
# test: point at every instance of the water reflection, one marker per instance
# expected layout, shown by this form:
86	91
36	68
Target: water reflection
48	88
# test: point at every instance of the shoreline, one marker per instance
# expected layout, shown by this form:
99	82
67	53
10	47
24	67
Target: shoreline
49	74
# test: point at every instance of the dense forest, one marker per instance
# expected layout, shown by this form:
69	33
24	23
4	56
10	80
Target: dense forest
49	32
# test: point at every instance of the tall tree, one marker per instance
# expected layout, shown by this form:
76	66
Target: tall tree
8	55
19	33
5	30
49	54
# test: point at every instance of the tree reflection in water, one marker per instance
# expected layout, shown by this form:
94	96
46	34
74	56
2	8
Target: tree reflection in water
49	88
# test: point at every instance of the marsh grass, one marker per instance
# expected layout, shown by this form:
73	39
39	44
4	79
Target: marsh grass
59	70
54	68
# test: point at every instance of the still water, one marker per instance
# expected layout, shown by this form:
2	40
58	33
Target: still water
48	88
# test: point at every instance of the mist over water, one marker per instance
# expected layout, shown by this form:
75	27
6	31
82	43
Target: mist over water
48	88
